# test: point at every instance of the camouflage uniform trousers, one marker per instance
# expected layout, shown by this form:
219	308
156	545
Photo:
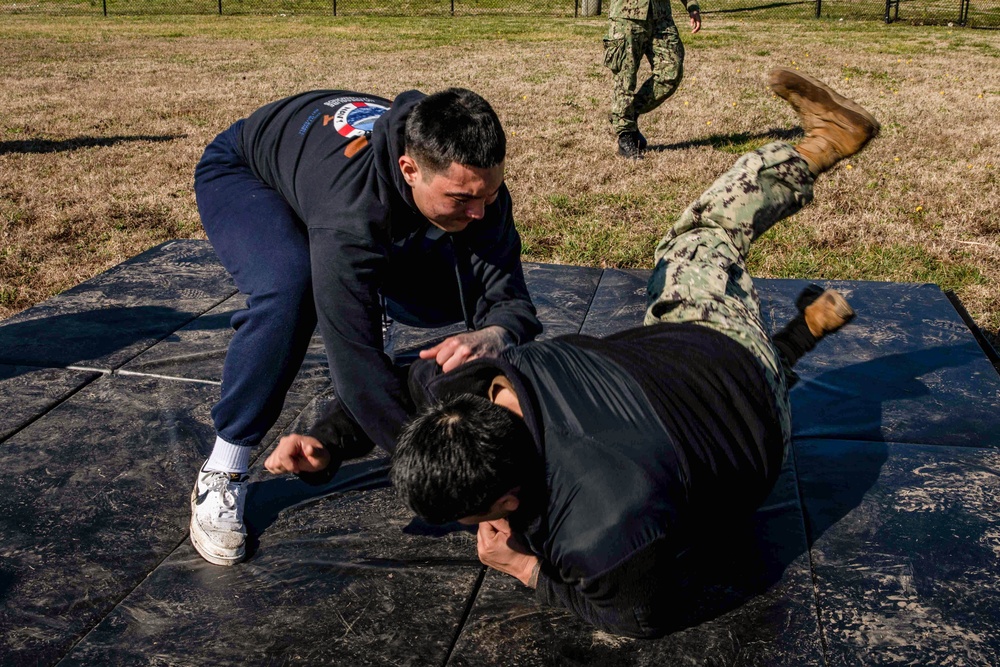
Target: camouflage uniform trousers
627	43
700	275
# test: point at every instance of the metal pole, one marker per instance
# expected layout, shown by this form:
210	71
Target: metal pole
819	7
452	7
576	8
334	7
105	3
220	7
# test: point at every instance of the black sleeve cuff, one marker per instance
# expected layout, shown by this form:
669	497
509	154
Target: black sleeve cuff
341	436
322	477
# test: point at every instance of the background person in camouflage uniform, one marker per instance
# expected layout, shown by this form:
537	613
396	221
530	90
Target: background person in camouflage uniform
593	464
642	29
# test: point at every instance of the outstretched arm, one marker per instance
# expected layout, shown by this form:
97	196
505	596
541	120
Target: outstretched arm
456	350
298	454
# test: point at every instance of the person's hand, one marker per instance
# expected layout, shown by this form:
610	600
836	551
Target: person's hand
695	21
454	351
298	453
501	550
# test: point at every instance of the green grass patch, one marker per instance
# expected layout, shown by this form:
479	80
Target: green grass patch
606	229
899	262
8	296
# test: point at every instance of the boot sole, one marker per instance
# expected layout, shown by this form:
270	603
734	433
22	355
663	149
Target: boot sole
841	308
210	552
816	91
834	301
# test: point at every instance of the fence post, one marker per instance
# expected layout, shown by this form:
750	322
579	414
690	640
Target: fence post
105	3
819	8
452	7
220	7
334	7
590	7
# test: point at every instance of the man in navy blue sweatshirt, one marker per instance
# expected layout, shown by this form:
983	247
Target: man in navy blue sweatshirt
338	208
591	464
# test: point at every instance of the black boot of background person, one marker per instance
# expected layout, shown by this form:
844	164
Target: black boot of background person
628	145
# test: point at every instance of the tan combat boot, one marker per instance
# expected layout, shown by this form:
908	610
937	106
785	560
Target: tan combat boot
821	312
835	126
827	313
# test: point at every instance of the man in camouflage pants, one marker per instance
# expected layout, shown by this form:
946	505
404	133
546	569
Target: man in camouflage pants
592	464
642	29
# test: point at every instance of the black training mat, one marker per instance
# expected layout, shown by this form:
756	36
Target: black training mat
27	393
878	546
905	544
92	498
109	319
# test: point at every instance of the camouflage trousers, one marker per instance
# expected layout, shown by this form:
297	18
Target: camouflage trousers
700	275
627	43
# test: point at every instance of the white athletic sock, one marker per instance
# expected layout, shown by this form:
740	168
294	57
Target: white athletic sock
227	457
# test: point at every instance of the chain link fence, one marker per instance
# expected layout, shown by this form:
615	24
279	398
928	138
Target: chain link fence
968	13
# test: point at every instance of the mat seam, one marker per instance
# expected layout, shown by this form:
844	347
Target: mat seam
824	649
52	407
83	635
590	301
465	615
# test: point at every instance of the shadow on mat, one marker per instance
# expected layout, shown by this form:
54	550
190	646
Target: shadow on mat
79	338
847	403
269	498
82	338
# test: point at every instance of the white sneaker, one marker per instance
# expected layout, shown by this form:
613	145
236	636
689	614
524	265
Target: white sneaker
217	529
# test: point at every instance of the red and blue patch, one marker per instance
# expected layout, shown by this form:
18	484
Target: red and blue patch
356	118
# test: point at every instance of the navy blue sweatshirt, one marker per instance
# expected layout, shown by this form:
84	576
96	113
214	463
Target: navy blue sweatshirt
368	239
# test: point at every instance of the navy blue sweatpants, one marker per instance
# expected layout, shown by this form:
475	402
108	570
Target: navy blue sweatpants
265	247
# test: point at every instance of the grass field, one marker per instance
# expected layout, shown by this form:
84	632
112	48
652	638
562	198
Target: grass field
102	121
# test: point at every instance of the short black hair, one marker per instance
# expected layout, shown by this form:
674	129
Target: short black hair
458	457
455	125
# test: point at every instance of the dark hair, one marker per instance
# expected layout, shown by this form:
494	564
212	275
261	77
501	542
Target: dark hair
455	125
457	458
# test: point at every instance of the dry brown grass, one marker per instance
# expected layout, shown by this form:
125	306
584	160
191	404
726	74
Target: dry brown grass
103	121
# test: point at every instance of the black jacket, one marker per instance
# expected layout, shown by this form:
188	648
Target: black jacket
368	240
649	437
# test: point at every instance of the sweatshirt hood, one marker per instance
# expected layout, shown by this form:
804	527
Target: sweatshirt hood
389	142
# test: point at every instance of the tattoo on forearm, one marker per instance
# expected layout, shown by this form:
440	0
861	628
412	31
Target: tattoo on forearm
533	579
